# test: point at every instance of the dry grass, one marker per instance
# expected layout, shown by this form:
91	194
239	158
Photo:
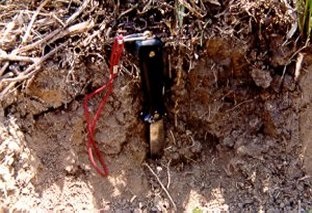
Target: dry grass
26	34
32	33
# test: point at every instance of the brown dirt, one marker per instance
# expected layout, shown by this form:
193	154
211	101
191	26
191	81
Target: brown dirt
305	119
238	129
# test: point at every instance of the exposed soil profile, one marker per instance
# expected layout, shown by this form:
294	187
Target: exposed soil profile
238	124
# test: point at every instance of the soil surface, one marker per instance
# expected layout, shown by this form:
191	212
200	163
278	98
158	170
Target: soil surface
238	124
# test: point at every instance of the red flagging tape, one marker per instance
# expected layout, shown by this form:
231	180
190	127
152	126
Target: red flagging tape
92	147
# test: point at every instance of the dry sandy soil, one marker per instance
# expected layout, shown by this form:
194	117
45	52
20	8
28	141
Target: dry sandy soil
238	124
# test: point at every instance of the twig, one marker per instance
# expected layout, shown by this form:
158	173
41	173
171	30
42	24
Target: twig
173	138
30	71
54	35
215	2
241	103
77	13
77	28
5	66
196	11
6	90
96	33
32	68
58	20
162	185
71	30
25	37
145	8
128	11
304	177
289	61
11	57
298	65
57	34
37	43
8	28
283	75
168	174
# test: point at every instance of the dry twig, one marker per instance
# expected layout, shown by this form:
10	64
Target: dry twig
7	83
11	57
30	71
298	65
162	186
29	27
77	13
173	138
193	9
168	174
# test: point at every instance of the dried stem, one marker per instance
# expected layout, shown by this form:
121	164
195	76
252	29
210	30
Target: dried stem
30	71
162	186
11	57
29	27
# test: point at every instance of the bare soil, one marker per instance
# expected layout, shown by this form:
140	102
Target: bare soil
238	124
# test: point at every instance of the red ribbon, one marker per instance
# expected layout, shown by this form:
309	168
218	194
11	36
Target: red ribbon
116	54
